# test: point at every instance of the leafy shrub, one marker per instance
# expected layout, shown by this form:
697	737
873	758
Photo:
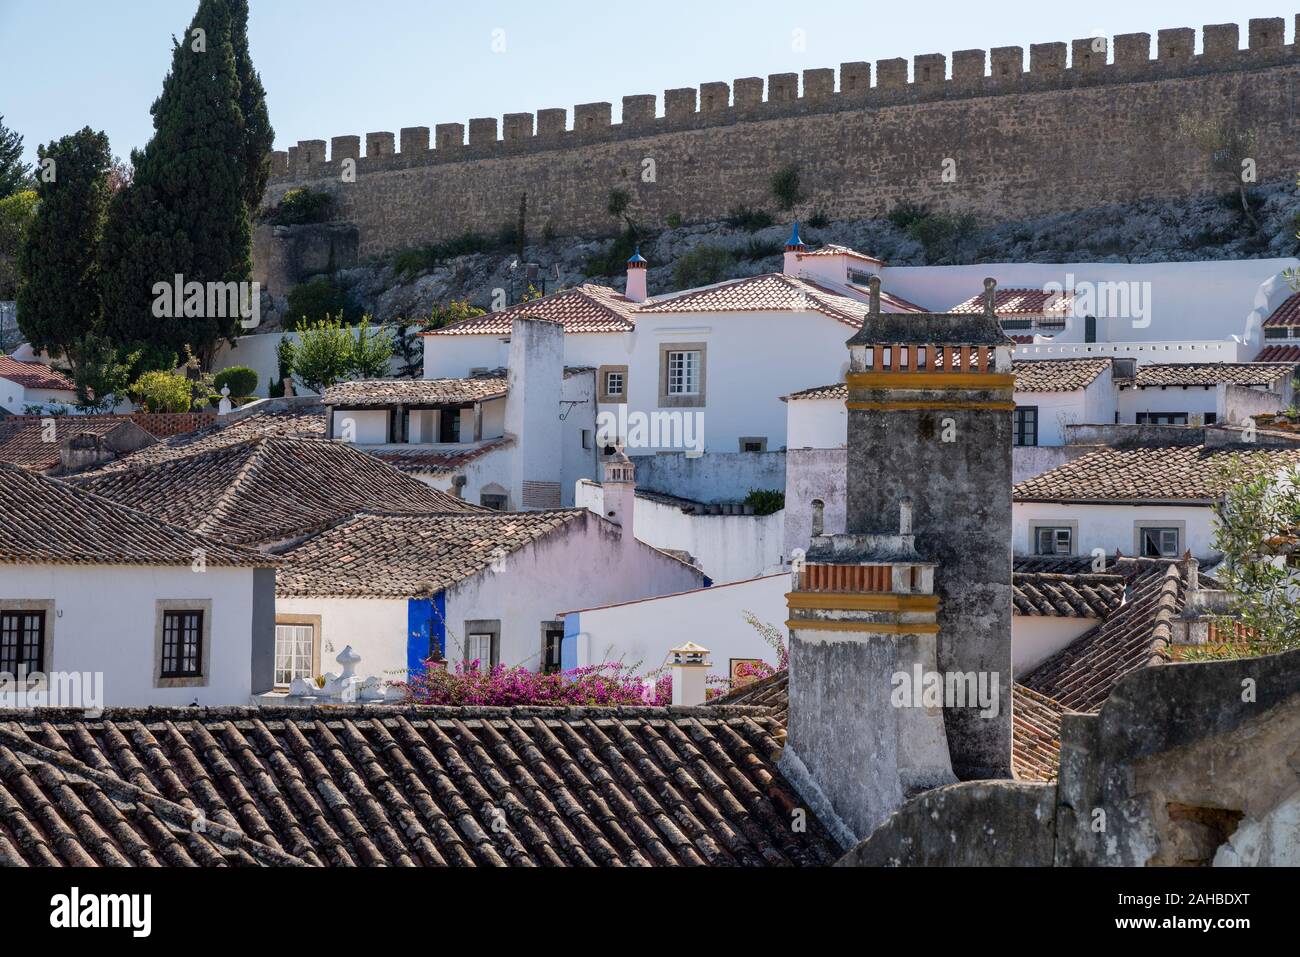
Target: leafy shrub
420	259
331	351
674	220
241	379
906	213
703	265
765	501
940	235
761	249
748	219
316	300
301	206
160	391
612	260
785	187
819	220
454	311
608	684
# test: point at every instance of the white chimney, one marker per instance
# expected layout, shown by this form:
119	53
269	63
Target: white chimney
690	664
619	490
535	378
793	247
636	275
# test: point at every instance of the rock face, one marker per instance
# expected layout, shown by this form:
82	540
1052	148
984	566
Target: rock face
1207	227
1185	764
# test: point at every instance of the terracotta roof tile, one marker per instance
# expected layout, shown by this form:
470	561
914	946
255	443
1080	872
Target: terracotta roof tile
23	440
1018	302
46	522
266	490
34	375
1190	473
587	308
399	555
1066	595
770	292
379	392
401	786
834	249
1212	373
1081	675
836	390
1057	375
1275	353
1287	314
437	461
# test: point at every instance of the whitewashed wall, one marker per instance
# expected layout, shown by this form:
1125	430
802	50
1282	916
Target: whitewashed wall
374	627
813	474
817	424
104	621
1194	400
728	547
641	633
1111	527
1034	639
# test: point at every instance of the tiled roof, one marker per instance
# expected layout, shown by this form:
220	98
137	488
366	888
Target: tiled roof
834	249
1287	314
302	422
1212	373
1035	734
417	461
34	375
1081	675
1057	375
836	390
1036	726
369	392
45	522
1191	473
770	292
22	441
394	555
1066	596
587	308
1275	353
1018	302
401	786
268	489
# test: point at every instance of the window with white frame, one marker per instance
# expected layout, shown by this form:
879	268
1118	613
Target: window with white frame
294	653
684	372
1053	540
1159	541
614	383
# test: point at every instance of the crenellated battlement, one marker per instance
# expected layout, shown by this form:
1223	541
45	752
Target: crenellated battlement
1082	63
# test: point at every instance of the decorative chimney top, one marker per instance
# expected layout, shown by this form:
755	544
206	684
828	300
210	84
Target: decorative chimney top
619	468
690	655
636	277
794	243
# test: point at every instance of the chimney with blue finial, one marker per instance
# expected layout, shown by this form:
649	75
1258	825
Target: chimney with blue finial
636	274
793	247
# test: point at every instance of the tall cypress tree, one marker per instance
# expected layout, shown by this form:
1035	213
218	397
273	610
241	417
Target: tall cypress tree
58	290
186	212
15	175
259	137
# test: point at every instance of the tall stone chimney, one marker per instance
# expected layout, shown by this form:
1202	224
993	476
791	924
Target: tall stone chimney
535	377
793	247
916	594
636	277
929	405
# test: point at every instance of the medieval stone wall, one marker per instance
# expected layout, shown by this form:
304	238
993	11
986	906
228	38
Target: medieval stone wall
1078	128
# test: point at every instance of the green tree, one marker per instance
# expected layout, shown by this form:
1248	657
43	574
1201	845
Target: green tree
317	300
160	391
241	379
58	289
259	137
785	187
16	214
186	211
454	311
1258	531
371	352
324	355
15	175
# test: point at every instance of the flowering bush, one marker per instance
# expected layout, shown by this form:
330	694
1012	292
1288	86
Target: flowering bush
608	684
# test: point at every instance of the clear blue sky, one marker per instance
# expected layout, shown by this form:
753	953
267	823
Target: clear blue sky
334	67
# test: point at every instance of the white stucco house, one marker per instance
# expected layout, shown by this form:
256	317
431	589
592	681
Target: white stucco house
102	601
485	586
25	385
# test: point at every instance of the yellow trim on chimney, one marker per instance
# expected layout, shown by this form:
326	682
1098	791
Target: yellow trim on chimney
930	380
858	601
904	405
877	627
